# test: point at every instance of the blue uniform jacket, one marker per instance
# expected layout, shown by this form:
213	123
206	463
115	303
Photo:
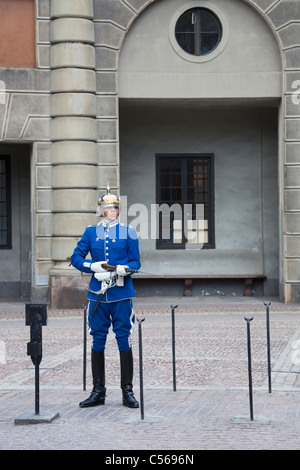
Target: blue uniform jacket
115	243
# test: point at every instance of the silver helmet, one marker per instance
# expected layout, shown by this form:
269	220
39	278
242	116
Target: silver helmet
108	200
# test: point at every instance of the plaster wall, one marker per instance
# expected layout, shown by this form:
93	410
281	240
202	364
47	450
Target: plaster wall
244	144
248	65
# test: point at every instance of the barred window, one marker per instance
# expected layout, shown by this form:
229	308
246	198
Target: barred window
185	186
5	202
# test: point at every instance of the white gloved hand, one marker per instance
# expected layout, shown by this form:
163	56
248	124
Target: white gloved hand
102	276
121	270
97	267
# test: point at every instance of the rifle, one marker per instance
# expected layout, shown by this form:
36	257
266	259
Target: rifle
108	267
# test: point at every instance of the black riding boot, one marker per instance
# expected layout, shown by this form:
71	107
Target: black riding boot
126	362
97	396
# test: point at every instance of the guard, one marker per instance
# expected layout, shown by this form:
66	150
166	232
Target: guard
109	243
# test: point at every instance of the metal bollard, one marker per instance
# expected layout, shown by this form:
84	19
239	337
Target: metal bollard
248	320
84	346
268	345
140	320
36	317
173	346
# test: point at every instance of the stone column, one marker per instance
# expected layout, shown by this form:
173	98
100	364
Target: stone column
73	133
285	16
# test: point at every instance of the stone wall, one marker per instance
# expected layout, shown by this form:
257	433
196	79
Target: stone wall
67	109
111	22
24	118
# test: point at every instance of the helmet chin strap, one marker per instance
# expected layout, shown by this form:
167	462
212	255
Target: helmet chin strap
108	220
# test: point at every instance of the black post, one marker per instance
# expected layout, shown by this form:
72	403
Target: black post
36	317
248	320
140	320
84	346
268	345
37	389
173	346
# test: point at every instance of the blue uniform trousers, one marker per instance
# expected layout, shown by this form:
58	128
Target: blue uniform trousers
118	314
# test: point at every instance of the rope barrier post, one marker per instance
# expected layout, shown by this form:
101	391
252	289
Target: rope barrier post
173	346
36	316
140	320
248	320
268	345
84	346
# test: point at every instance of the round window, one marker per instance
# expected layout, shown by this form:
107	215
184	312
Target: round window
198	31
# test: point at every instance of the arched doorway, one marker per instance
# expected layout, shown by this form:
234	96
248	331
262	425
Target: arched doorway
222	106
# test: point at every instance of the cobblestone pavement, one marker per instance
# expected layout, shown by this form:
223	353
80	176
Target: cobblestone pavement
208	410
